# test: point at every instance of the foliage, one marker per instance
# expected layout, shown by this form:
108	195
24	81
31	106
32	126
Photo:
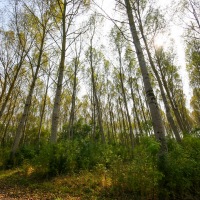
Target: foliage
73	156
183	168
80	130
124	170
4	155
140	176
56	159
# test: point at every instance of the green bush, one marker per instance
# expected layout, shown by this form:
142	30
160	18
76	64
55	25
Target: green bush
24	154
57	159
76	155
140	176
80	130
4	156
136	171
183	168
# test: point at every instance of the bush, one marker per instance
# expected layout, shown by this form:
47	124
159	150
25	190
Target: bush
136	171
4	156
76	155
140	176
24	154
57	159
183	167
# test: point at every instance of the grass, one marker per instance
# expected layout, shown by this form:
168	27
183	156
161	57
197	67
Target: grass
21	184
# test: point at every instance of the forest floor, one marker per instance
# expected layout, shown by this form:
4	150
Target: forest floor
23	185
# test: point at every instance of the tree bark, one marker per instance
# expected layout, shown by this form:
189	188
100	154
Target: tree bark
72	112
27	106
43	109
167	108
57	100
134	106
124	97
97	103
174	108
153	105
19	66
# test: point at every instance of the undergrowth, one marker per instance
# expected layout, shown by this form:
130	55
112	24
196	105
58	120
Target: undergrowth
123	170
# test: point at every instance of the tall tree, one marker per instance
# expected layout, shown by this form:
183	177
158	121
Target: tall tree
39	27
119	43
153	66
16	46
153	105
171	82
76	65
67	11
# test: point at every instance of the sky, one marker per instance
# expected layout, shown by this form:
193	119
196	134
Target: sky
175	34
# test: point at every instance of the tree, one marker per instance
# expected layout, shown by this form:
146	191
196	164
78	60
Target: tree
76	65
119	44
18	43
153	66
66	12
172	84
153	105
43	26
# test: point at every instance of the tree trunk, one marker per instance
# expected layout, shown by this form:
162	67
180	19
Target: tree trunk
43	109
97	102
123	121
27	106
174	108
112	120
125	100
72	112
127	111
167	108
57	100
142	106
19	66
153	105
134	107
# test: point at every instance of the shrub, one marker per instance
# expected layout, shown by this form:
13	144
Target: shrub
183	168
4	156
140	176
25	154
57	159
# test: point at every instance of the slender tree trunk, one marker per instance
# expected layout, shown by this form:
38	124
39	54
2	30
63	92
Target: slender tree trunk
114	125
123	121
125	100
3	89
4	131
57	100
43	109
134	106
174	108
121	124
123	140
27	106
72	112
112	120
128	118
23	55
141	105
153	105
4	104
110	116
167	108
97	102
108	129
93	110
